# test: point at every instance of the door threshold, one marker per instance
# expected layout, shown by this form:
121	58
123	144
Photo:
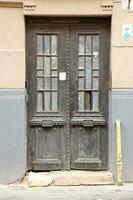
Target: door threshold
69	178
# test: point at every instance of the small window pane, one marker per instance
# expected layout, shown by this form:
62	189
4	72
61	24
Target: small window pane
39	44
81	83
95	73
81	73
54	101
39	62
81	100
54	83
95	83
47	101
81	62
95	63
47	67
54	44
54	62
47	44
95	43
39	101
39	83
39	73
88	73
87	100
81	45
88	45
54	73
47	83
95	101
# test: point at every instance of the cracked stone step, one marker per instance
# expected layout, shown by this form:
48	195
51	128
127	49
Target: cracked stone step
69	178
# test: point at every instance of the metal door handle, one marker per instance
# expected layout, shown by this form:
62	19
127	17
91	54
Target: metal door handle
75	86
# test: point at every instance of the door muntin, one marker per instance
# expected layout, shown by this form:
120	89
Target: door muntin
88	72
47	73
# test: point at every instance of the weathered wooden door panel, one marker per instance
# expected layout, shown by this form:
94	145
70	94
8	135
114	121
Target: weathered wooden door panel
46	105
89	91
67	74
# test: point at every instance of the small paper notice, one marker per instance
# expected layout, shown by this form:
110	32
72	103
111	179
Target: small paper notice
95	53
62	76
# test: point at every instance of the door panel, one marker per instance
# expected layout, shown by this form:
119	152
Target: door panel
67	73
89	89
46	105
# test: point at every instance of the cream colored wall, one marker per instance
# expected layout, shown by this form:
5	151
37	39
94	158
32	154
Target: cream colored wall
12	39
68	7
12	48
121	51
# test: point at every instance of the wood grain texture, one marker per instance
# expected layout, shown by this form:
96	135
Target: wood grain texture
70	139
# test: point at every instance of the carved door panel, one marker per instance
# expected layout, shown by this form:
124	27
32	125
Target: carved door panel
67	73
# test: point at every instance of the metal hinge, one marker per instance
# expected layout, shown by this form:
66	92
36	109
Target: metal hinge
26	92
110	82
26	84
26	97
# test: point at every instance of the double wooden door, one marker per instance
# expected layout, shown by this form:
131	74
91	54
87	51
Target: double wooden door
67	84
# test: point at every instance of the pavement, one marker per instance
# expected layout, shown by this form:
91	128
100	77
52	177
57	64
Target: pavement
110	192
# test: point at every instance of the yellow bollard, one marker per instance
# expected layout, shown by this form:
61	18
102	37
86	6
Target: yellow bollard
119	153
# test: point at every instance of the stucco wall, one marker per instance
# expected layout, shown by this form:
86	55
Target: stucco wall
12	39
12	48
68	8
121	50
12	95
12	135
122	109
12	77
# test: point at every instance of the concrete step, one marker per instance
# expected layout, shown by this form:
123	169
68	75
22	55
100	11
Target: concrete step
69	178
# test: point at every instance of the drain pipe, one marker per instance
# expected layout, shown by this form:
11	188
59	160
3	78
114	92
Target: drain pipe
119	153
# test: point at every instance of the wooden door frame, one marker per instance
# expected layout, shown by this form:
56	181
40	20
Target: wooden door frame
69	21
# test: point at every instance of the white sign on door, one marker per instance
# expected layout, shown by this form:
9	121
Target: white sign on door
62	76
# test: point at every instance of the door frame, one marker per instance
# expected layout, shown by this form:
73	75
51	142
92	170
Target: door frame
60	20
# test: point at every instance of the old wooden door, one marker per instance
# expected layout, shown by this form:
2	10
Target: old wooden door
67	84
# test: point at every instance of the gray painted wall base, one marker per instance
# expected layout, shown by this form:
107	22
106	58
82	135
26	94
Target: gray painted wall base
122	109
12	135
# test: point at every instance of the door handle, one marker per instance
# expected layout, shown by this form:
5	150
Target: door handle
75	86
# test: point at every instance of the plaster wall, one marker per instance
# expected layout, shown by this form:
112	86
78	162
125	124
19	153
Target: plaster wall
12	39
121	50
122	109
12	48
68	8
12	135
12	76
122	67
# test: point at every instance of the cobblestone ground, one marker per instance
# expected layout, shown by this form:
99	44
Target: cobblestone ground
20	192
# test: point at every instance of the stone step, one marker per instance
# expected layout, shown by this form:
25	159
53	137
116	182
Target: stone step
69	178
